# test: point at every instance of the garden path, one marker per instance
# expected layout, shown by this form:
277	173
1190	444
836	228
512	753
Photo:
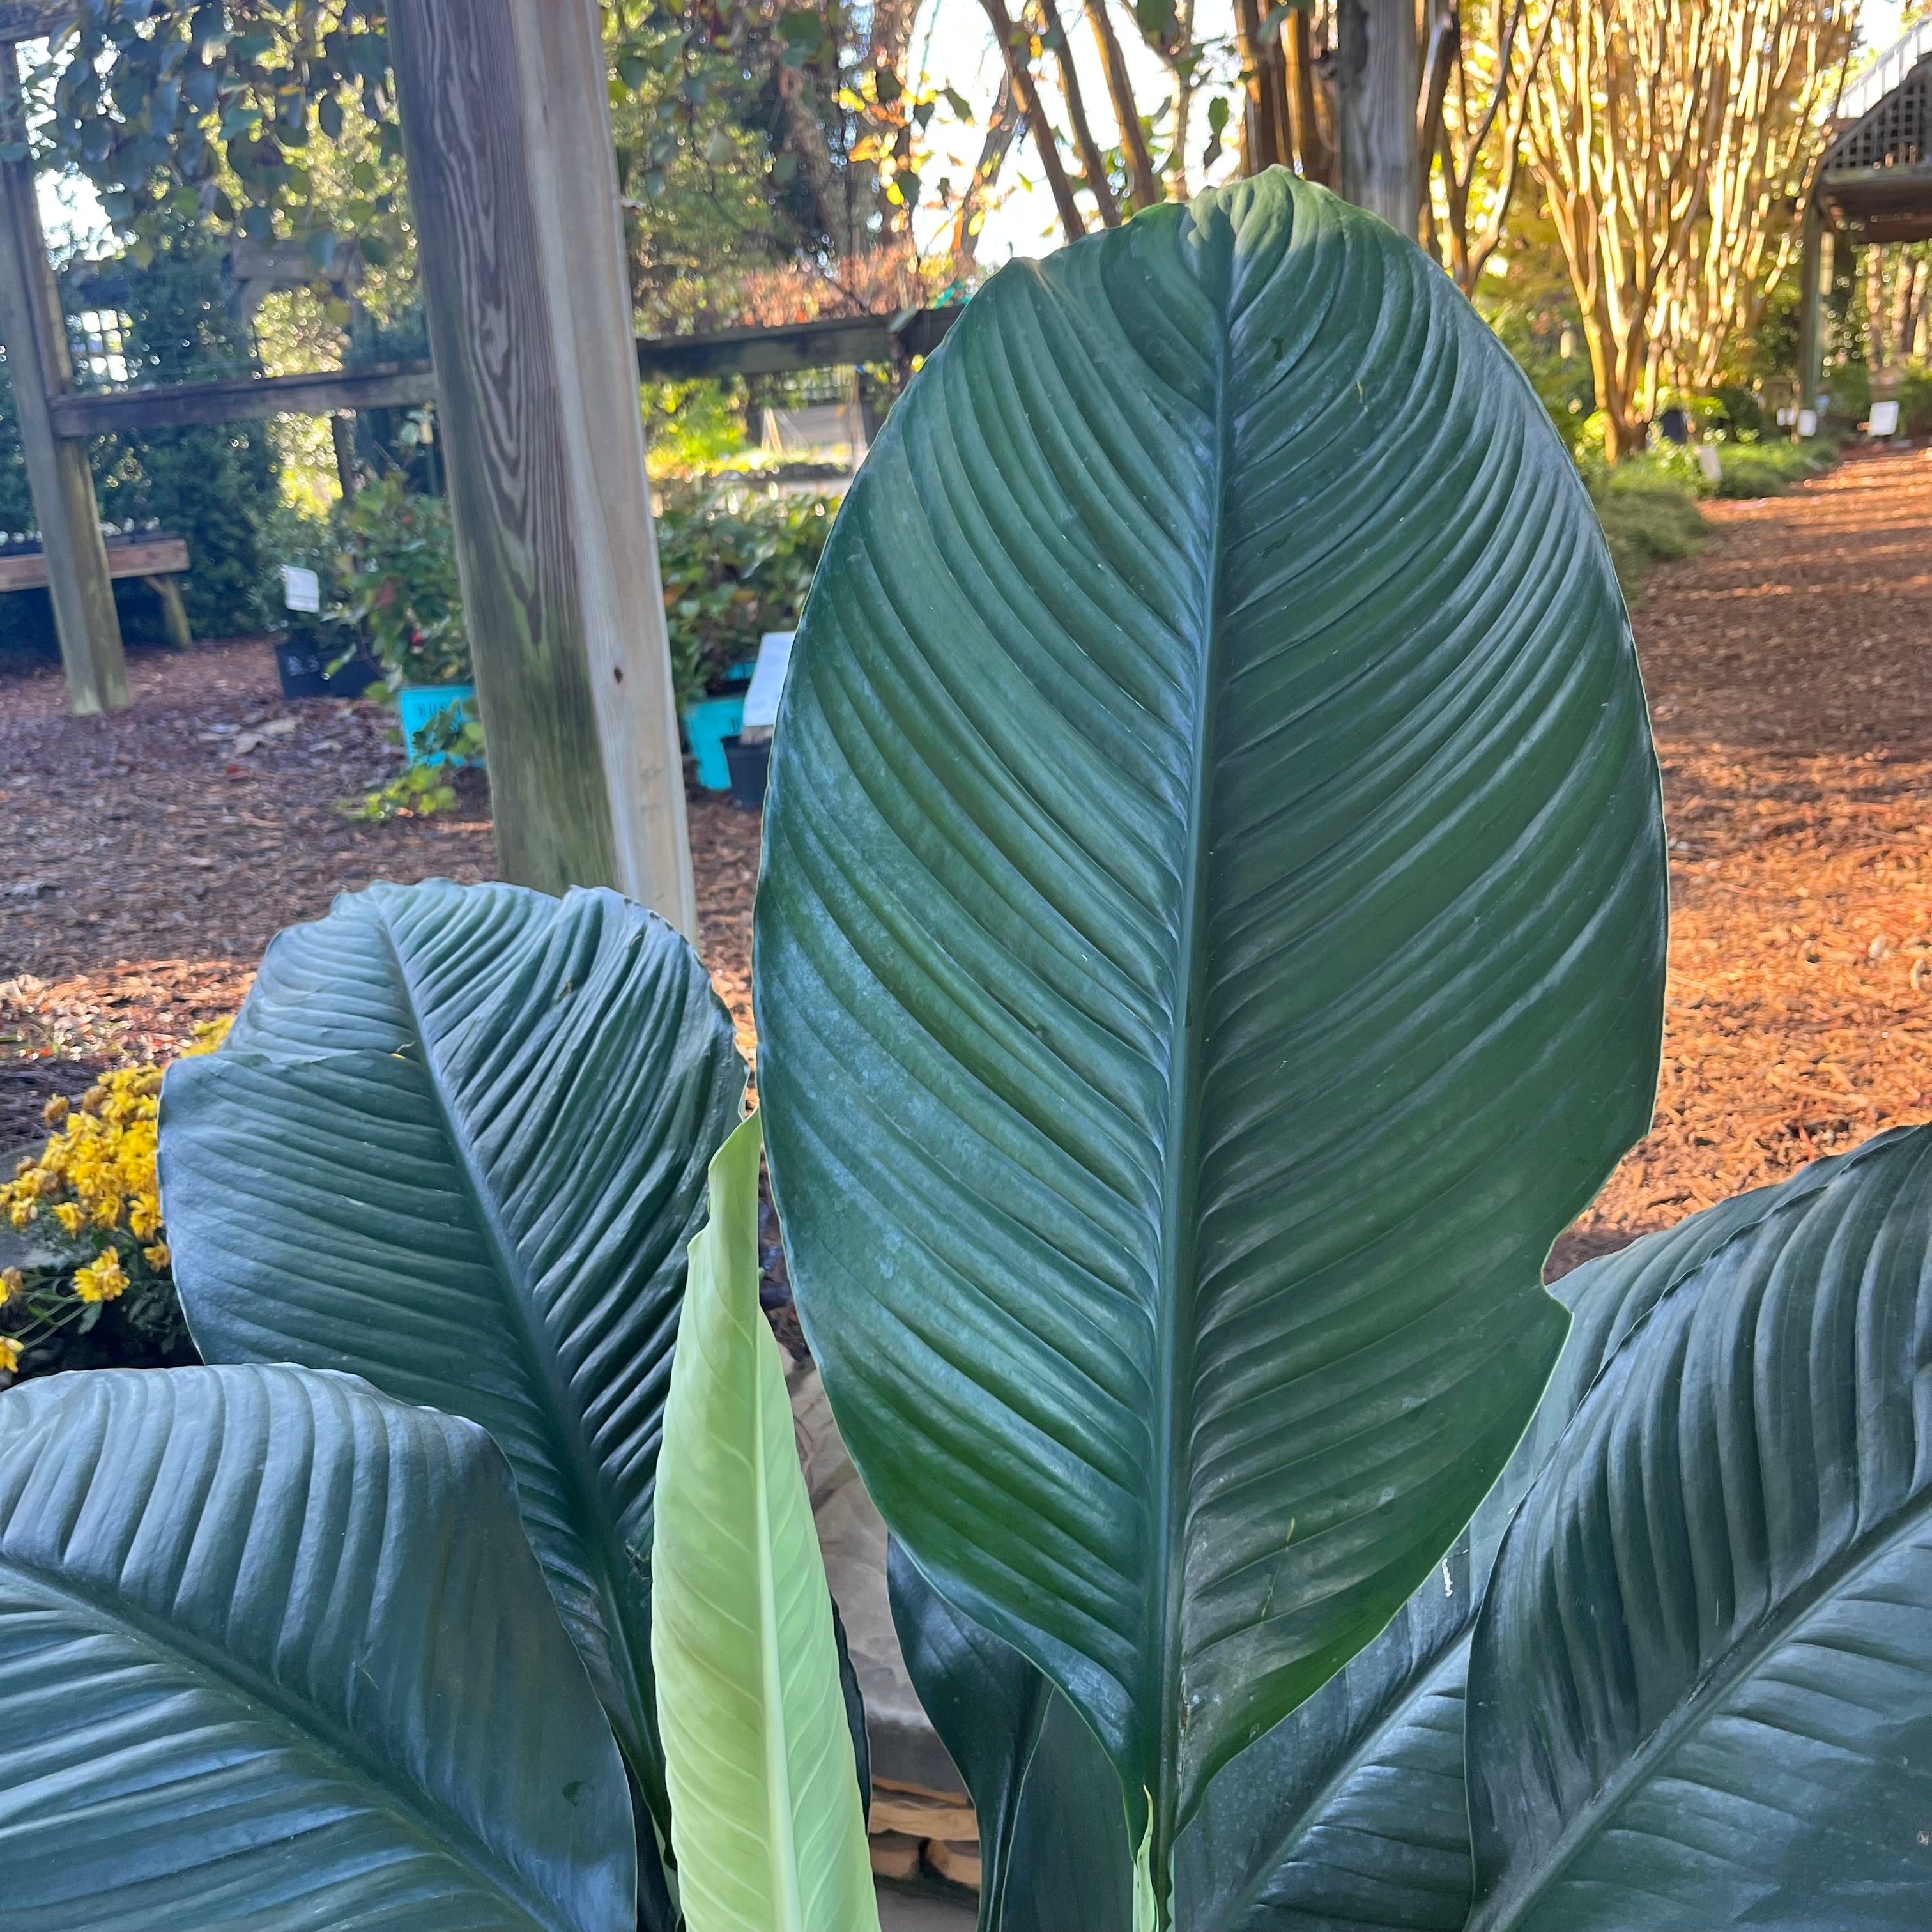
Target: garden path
1789	670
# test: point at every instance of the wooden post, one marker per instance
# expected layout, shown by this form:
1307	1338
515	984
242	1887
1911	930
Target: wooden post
1811	311
506	127
1378	76
34	332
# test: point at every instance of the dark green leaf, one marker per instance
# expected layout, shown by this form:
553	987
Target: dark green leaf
987	1703
1217	632
1352	1813
1700	1688
457	1143
275	1653
1053	1833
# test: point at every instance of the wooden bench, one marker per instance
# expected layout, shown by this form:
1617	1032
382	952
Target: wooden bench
156	561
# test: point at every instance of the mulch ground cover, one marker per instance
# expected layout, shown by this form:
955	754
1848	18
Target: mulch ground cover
145	859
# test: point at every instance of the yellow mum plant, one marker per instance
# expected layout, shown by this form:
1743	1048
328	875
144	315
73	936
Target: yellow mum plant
90	1198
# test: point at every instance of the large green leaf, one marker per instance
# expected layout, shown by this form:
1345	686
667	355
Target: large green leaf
456	1144
769	1833
1350	1815
273	1653
1211	941
1700	1687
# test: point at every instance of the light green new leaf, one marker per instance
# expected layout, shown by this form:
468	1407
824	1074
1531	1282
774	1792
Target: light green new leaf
1700	1686
456	1144
1210	942
273	1653
767	1821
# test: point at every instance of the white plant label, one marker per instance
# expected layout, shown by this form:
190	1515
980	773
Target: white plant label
301	589
761	701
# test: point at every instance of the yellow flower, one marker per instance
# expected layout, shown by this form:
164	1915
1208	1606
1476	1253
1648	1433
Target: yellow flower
101	1279
11	1282
70	1217
56	1110
10	1354
158	1257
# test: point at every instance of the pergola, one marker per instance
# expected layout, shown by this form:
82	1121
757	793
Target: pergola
513	185
1874	182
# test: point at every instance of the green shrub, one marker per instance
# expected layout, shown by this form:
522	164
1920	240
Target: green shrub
396	584
736	562
1769	469
1647	519
1915	402
212	485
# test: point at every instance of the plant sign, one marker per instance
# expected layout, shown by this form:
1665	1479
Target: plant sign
1210	943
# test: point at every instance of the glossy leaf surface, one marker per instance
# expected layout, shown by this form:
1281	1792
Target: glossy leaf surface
1211	941
456	1144
1739	1730
275	1653
767	1821
1351	1815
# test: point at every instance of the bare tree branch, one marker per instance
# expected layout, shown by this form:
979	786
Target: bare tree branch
1126	112
1092	164
1013	46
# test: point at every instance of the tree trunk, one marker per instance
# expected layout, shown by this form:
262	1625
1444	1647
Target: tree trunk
1378	78
1312	144
1028	94
1091	163
804	139
1265	133
1001	126
1126	112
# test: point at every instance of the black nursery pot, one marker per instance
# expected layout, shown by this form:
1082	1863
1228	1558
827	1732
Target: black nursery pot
748	765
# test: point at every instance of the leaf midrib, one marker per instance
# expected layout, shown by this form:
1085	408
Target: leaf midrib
577	1465
1775	1629
1173	1340
173	1645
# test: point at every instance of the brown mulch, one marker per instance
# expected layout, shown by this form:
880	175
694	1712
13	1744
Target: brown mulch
145	865
1789	670
146	859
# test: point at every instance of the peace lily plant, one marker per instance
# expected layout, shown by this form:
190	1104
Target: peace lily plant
1210	942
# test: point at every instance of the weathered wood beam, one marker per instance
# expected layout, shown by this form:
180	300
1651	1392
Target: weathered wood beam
1811	309
34	332
506	127
156	556
833	342
237	399
32	19
1378	82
